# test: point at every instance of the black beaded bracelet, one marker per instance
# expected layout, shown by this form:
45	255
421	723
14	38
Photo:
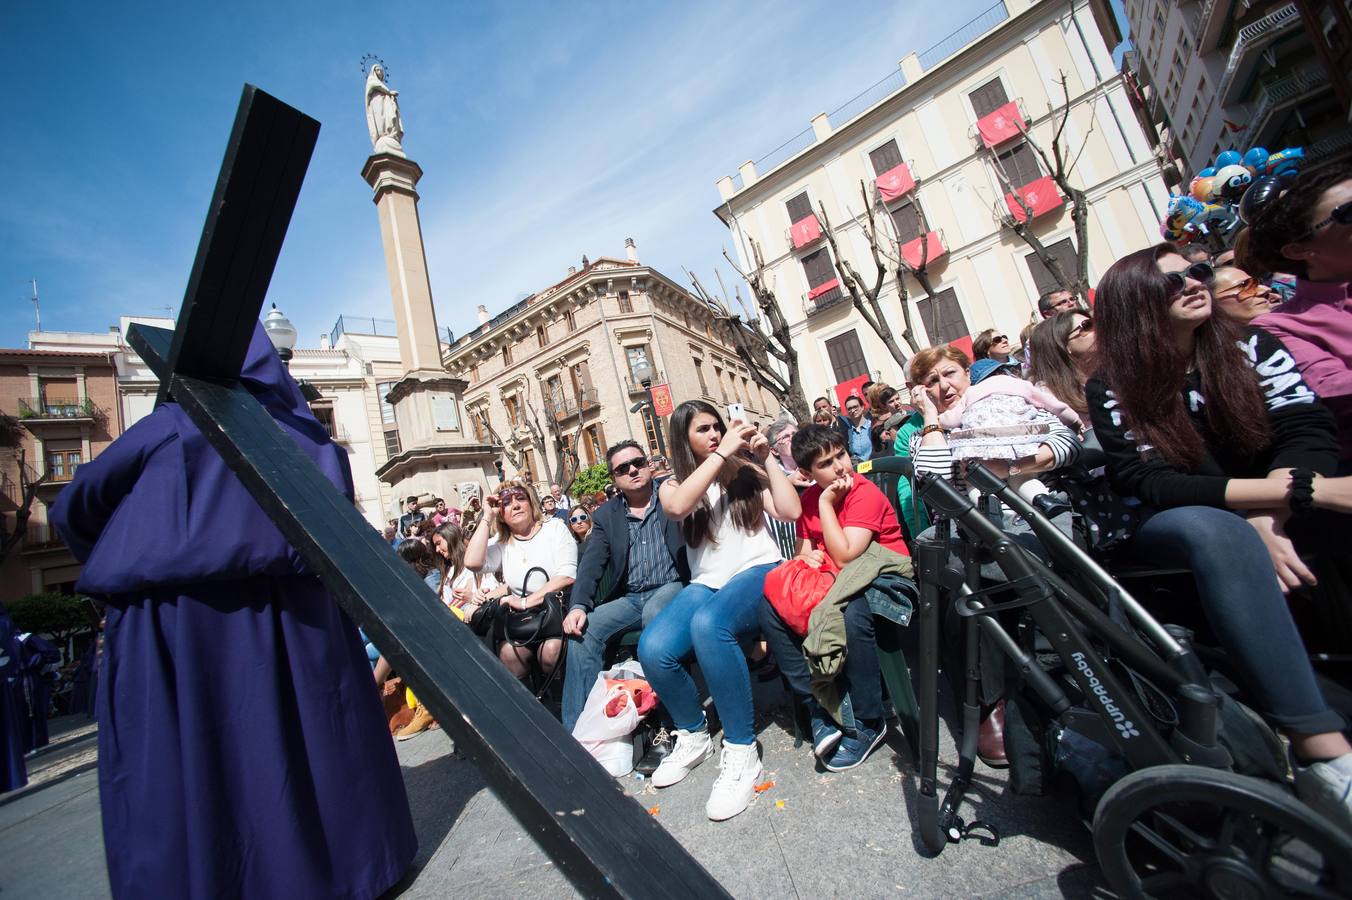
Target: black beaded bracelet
1302	492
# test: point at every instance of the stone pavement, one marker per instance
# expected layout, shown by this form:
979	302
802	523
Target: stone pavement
835	834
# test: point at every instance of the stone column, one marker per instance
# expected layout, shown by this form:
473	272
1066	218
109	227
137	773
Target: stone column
393	180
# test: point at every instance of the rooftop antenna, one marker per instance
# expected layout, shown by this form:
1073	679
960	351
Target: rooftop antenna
37	311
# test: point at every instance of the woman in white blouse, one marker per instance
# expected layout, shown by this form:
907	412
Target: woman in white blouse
534	546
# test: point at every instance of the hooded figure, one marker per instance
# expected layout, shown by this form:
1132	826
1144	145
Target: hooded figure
242	748
13	773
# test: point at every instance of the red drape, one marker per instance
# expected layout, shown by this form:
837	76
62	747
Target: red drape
895	183
931	246
805	232
1001	125
1041	196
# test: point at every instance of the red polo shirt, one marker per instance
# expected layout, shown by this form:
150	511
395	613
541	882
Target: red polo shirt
863	506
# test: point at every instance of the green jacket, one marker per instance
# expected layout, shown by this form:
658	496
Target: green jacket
911	508
877	571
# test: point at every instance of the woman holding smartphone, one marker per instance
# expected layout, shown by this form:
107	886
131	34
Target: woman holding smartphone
720	492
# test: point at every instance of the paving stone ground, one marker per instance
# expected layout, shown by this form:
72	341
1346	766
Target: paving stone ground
849	834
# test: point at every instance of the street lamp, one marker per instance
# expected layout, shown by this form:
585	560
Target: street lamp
281	332
643	372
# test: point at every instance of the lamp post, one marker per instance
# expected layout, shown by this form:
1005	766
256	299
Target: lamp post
281	332
643	372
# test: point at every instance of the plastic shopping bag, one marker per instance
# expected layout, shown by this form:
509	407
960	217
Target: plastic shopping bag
609	737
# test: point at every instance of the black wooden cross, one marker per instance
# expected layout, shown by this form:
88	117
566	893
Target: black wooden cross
601	839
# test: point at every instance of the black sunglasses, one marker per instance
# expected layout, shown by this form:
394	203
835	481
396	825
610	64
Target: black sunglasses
1084	327
1201	271
1341	214
997	338
580	517
638	462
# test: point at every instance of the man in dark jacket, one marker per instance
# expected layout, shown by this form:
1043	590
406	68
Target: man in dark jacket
633	564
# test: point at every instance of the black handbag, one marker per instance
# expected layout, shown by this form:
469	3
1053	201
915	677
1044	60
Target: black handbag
528	627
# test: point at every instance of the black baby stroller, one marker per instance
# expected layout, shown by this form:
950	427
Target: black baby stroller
1189	789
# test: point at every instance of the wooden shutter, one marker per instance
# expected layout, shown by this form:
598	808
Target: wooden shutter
906	222
1064	253
847	356
1019	164
988	98
799	207
817	267
885	158
951	323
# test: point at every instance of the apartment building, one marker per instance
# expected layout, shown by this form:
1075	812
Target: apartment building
558	373
946	132
1221	74
67	411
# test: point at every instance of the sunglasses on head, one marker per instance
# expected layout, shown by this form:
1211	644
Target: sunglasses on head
580	517
1340	214
637	463
1201	271
511	494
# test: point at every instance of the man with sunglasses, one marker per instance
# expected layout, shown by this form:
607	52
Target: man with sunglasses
1307	232
633	564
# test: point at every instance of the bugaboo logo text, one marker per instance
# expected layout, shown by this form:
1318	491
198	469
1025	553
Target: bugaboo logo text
1120	721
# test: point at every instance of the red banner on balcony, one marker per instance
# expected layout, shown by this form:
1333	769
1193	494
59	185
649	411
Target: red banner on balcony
1001	125
964	344
824	288
805	232
663	405
852	388
930	247
895	183
1040	196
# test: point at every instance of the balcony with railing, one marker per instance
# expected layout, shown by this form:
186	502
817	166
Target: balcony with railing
804	233
634	386
1278	95
1034	199
562	408
832	295
1000	126
42	538
1210	24
368	325
1250	39
55	408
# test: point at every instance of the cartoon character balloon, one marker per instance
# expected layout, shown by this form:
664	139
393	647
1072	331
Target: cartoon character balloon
1231	182
1286	164
1201	188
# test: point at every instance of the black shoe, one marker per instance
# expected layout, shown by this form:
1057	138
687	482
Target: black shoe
660	749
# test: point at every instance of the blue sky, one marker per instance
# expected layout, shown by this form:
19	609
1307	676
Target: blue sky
545	132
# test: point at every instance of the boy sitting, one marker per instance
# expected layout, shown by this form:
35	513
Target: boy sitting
843	515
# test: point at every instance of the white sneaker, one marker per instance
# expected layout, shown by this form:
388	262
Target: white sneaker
739	773
692	748
1327	787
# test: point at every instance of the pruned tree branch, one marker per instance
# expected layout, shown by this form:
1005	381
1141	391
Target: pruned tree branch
13	534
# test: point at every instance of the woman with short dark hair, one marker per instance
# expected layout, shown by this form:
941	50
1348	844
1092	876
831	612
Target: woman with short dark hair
992	344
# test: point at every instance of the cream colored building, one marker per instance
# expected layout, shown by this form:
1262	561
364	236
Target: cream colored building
924	116
565	357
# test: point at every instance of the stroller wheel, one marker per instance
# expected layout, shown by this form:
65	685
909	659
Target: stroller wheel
1187	831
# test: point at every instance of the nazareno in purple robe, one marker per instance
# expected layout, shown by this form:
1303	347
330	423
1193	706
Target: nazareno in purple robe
242	747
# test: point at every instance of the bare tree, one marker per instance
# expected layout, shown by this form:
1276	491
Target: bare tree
22	492
1059	163
762	342
537	434
507	452
566	450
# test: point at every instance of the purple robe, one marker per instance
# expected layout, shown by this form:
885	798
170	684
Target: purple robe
242	747
13	772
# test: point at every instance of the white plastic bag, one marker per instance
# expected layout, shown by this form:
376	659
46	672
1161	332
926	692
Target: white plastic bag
609	738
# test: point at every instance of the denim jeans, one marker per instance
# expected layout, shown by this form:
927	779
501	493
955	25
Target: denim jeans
586	655
1238	590
709	626
862	678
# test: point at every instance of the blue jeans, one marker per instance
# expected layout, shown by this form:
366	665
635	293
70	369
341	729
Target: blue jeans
1237	587
586	655
710	626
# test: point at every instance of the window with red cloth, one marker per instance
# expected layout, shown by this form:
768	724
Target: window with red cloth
1004	124
926	249
895	183
824	288
1040	196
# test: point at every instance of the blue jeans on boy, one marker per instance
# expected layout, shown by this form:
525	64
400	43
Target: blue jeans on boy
709	626
586	655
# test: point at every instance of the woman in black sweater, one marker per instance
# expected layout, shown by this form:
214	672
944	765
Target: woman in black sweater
1211	427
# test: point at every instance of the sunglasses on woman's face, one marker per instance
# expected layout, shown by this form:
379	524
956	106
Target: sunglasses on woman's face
1340	214
505	497
1244	290
1085	326
1201	271
579	518
999	338
638	463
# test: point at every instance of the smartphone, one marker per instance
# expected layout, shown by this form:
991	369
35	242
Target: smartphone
736	412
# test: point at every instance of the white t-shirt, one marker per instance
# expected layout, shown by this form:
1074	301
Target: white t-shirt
732	550
552	549
465	580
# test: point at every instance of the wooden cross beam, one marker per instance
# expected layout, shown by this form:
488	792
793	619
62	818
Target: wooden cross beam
601	839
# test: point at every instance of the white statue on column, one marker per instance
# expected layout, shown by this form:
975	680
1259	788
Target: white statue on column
382	113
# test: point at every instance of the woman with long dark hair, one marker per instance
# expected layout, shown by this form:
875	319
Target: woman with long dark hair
1211	427
1065	354
721	491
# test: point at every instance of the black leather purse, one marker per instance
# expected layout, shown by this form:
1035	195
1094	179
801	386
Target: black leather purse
529	627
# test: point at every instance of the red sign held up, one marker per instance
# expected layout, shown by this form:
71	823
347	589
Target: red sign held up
663	405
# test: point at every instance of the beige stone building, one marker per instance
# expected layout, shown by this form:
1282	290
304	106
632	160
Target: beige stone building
562	362
921	133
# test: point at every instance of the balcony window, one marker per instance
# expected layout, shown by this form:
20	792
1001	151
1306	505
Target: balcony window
799	207
951	324
988	98
804	229
392	447
847	356
634	357
923	251
895	183
906	220
1063	251
1001	125
542	336
626	305
699	374
506	355
1017	166
386	407
324	415
1038	197
885	158
821	275
61	464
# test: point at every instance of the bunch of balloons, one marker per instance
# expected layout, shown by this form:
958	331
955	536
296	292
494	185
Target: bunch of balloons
1233	190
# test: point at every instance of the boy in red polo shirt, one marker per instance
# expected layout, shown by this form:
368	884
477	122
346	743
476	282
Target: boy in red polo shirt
843	513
